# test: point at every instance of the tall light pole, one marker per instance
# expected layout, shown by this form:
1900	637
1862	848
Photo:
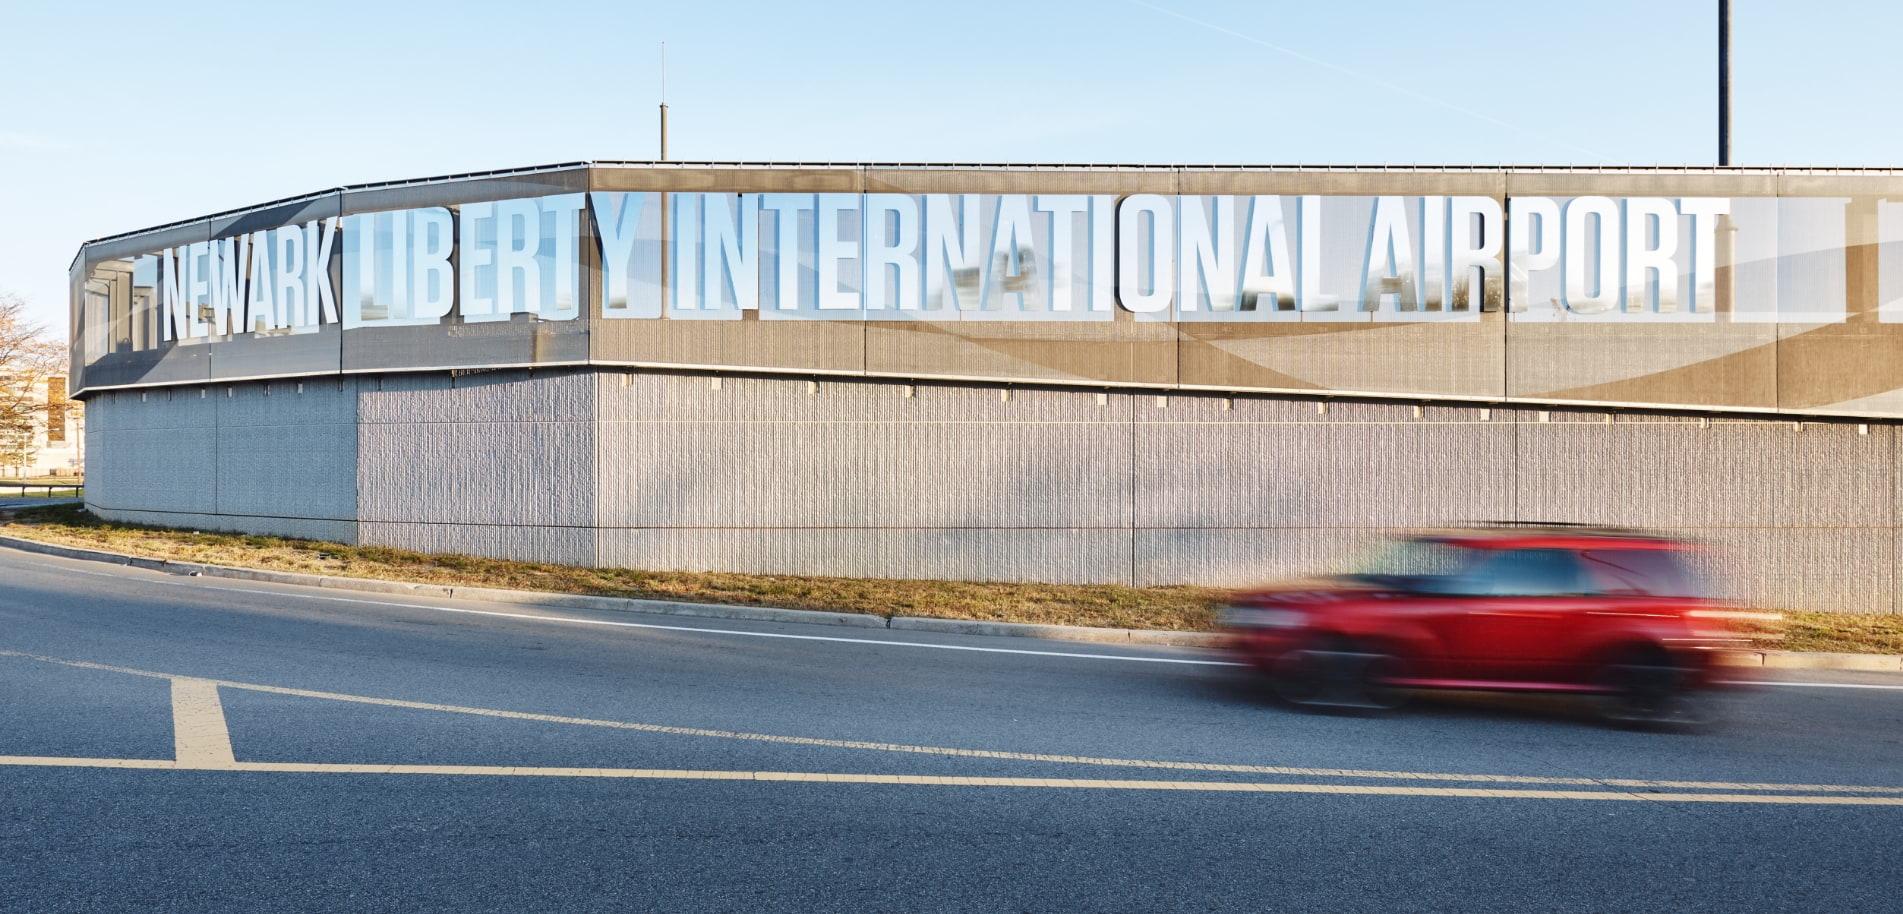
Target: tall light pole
1724	82
1724	278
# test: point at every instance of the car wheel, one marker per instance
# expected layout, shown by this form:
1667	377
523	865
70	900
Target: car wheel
1644	687
1339	673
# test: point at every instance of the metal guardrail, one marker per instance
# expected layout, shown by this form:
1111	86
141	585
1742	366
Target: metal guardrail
26	488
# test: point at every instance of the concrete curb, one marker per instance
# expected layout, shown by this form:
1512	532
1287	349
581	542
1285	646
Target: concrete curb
622	604
1779	660
1799	660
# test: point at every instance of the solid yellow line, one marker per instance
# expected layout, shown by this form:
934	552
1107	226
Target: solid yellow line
199	735
1276	770
959	781
39	761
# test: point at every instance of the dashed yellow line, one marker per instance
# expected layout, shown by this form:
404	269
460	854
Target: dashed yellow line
197	713
958	781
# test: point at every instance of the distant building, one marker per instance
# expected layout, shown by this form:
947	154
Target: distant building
58	444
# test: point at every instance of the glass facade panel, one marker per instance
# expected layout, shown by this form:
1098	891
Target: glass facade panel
142	310
1688	295
1620	300
475	284
279	306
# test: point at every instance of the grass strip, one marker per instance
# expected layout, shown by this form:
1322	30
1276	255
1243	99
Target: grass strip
1107	606
1178	608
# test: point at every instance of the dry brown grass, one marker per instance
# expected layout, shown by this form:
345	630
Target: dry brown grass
1174	608
1849	633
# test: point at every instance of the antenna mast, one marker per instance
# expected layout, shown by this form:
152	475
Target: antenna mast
663	101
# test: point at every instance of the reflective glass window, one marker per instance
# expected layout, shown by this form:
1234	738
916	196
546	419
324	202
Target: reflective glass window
1527	573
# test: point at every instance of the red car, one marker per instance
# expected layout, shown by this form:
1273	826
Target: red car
1607	613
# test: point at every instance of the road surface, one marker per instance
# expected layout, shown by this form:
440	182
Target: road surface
180	744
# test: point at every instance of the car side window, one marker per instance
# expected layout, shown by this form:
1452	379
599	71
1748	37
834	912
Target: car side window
1529	573
1640	572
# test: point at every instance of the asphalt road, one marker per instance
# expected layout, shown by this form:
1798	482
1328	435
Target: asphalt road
12	499
186	744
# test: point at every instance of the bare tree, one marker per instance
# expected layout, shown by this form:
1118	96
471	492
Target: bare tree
32	382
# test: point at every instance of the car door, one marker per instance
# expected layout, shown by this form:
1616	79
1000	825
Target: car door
1518	613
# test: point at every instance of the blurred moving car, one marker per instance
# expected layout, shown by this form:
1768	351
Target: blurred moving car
1613	614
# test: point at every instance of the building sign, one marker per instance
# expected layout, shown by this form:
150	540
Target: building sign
940	257
1760	290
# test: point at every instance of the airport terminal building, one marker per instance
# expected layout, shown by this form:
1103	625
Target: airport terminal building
1120	374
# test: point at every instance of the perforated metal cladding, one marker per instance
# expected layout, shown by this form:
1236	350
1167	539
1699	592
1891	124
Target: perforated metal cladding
977	482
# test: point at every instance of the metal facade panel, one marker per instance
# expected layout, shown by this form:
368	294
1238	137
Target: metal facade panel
290	470
456	191
133	244
516	542
295	212
1679	474
1834	474
978	482
663	176
1807	569
156	453
287	452
1427	359
1341	181
426	472
1057	556
1655	364
850	454
1240	556
1273	464
820	346
1046	180
303	528
504	344
1840	183
1122	351
1661	182
512	449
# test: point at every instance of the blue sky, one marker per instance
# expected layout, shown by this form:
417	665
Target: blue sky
116	116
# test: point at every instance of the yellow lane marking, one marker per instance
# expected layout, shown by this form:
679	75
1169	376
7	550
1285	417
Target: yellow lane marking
199	735
37	761
959	781
1276	770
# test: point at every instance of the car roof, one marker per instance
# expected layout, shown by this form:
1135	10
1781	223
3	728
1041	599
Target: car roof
1552	536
